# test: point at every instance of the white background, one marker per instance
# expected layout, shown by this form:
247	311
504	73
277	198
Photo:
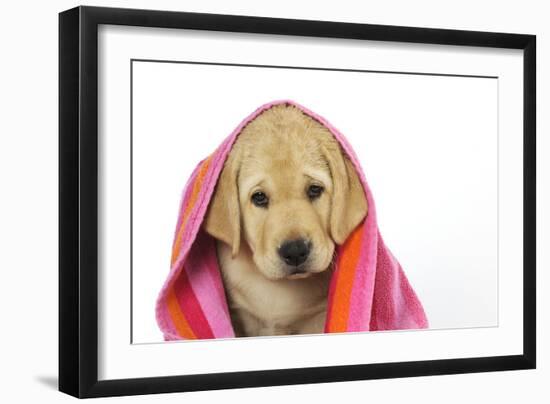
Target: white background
29	207
428	145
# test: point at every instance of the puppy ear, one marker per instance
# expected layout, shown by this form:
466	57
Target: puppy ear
223	216
349	202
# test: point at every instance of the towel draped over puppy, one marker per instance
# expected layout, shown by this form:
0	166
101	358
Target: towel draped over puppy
367	289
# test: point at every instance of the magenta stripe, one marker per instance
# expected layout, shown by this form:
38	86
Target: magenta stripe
190	306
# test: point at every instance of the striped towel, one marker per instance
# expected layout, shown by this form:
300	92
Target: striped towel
368	290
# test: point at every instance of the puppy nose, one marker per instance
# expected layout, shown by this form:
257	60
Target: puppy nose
294	252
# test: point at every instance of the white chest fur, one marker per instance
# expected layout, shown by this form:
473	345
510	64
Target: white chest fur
260	306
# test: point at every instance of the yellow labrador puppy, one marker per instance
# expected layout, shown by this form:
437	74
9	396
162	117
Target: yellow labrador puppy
285	197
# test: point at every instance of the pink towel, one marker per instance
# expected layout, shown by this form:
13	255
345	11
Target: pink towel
368	290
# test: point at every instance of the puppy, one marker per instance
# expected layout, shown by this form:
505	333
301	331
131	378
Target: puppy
286	196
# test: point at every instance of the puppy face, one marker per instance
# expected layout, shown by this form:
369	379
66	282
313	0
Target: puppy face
284	195
288	192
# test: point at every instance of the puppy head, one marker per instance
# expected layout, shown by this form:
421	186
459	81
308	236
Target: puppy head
288	191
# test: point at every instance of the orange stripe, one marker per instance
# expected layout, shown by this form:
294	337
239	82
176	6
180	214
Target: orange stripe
181	324
344	284
194	194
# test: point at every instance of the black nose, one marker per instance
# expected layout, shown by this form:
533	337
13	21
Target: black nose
294	252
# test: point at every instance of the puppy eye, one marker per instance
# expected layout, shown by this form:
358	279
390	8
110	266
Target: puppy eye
314	191
260	199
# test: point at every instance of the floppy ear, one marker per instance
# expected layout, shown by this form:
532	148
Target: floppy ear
349	202
223	216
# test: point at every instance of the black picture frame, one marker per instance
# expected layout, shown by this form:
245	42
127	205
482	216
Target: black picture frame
78	201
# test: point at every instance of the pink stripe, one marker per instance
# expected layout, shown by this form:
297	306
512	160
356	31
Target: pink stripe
363	286
223	327
202	269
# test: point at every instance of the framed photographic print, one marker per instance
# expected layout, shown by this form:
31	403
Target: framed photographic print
249	201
